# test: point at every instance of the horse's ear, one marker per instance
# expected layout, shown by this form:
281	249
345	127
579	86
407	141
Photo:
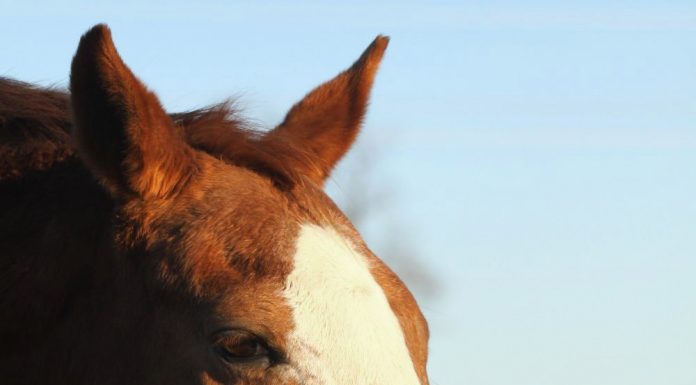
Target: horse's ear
326	122
122	132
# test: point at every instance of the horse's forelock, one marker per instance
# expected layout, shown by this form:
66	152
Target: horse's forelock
221	132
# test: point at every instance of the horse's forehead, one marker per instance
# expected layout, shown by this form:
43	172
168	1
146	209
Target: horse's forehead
345	331
325	308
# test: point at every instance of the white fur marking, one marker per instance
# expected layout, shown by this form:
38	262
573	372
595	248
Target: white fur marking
345	331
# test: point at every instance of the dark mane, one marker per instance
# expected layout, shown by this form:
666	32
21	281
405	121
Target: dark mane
34	128
36	124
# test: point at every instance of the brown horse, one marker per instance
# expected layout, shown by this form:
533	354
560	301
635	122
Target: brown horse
138	247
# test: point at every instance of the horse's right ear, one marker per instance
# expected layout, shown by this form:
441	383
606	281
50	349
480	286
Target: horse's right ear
122	132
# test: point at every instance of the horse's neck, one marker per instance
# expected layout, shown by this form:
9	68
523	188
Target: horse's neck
50	228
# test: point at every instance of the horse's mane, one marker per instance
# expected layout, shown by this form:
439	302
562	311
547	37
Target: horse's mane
36	124
34	128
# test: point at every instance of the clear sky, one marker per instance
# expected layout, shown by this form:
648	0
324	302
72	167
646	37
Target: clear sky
540	156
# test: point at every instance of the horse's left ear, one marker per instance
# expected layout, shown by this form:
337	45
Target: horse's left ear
326	122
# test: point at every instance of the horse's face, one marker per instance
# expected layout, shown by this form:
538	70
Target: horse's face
234	270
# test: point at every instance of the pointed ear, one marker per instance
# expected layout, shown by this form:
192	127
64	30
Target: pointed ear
326	122
122	132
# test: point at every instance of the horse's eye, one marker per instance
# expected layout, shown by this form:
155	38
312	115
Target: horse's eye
236	346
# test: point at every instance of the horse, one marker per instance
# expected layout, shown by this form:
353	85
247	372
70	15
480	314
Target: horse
144	247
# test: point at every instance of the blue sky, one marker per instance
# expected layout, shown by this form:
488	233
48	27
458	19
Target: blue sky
539	157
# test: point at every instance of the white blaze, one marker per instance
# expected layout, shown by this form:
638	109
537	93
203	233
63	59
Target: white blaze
345	331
